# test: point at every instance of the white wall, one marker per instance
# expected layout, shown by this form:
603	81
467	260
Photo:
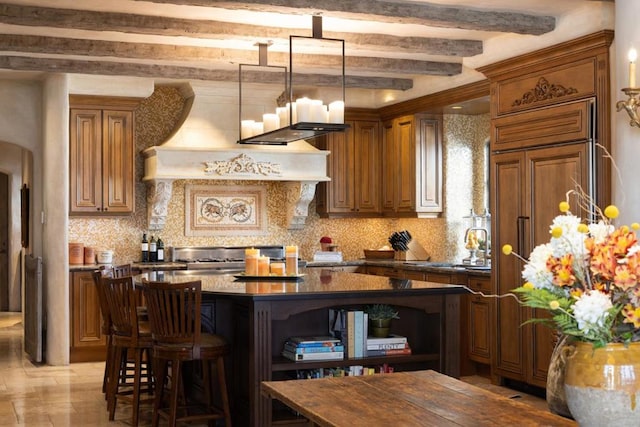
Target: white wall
20	115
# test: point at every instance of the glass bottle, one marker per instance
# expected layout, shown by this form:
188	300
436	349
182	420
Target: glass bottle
144	247
153	250
160	250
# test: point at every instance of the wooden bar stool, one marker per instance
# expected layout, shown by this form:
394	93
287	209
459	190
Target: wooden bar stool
107	326
131	340
174	316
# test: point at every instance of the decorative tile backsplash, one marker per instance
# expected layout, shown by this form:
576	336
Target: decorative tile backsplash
156	117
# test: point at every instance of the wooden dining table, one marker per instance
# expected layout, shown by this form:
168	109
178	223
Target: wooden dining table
418	398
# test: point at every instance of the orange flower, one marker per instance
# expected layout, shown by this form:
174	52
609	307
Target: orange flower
562	269
631	315
621	240
624	279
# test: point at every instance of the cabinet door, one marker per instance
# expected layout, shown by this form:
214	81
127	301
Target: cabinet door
405	135
429	166
85	147
367	167
118	169
87	341
529	185
550	173
389	160
399	166
507	176
340	164
479	327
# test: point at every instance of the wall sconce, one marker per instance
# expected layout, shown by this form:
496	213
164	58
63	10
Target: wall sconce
632	92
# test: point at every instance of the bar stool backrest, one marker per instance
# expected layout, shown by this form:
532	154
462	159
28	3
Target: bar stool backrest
123	301
174	314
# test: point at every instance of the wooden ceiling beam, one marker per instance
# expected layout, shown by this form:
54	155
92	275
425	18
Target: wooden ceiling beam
113	68
160	52
432	15
216	30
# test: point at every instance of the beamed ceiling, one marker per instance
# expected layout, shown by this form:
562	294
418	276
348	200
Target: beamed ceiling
395	50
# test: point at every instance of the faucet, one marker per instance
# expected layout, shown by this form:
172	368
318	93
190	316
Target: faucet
474	243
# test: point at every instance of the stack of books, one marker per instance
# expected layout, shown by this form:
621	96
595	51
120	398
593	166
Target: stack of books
393	345
351	327
313	348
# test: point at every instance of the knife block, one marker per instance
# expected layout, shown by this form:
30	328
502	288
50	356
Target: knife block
415	253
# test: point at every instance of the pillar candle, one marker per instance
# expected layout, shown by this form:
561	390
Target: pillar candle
246	129
258	128
633	55
283	115
291	259
263	266
251	261
303	109
318	111
271	122
277	268
336	112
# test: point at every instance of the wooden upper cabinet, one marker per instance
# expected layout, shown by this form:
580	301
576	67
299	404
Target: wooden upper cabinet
102	159
412	166
550	125
354	168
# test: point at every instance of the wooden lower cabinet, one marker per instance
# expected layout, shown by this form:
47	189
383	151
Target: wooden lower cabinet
479	321
87	341
395	273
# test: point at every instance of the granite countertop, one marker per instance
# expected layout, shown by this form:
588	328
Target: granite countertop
434	266
136	265
404	265
311	283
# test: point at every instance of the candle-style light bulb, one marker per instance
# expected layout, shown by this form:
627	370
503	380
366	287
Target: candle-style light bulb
633	55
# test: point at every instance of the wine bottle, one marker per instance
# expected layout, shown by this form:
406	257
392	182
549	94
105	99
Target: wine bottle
145	248
153	250
160	250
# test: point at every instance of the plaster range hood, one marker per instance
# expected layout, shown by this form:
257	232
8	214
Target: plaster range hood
206	150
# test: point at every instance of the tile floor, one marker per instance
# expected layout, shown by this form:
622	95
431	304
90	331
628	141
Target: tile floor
63	396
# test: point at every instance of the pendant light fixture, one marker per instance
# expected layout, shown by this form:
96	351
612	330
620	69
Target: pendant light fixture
313	101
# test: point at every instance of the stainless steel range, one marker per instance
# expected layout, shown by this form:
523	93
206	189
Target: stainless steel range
223	259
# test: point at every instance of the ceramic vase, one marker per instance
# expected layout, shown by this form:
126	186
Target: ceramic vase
556	398
601	385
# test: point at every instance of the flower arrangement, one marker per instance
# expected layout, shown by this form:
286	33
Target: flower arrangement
588	277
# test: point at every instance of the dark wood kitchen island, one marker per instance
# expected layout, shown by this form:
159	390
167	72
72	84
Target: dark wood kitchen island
257	316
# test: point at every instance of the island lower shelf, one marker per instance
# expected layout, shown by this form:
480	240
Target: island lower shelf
279	364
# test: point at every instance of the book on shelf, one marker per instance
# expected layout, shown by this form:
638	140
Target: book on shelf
293	348
392	346
330	355
391	339
356	332
390	352
314	341
351	334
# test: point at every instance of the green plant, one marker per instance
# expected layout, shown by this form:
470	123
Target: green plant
381	311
